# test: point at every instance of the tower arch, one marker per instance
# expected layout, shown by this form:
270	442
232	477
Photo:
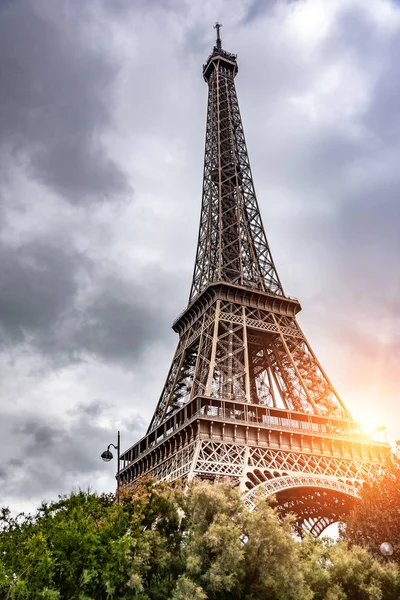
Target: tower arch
316	501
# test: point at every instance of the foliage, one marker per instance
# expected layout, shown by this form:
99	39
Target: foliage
376	518
334	571
166	542
233	553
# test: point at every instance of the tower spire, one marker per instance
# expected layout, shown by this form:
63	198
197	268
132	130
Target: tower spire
218	26
232	243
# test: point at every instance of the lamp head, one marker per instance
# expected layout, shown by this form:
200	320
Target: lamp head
107	455
386	549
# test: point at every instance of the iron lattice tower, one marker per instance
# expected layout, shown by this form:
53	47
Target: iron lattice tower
245	396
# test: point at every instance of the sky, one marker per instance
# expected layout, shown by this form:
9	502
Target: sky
102	126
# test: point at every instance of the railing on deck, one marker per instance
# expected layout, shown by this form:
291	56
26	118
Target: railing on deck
331	427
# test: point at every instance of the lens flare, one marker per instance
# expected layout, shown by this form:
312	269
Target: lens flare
370	425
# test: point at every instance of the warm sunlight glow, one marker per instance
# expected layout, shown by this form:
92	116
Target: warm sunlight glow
370	425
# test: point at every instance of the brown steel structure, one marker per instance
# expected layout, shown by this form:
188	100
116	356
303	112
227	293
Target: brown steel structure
246	396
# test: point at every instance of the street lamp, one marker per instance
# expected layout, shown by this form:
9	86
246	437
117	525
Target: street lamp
386	549
107	455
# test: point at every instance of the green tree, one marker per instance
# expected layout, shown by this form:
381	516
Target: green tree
185	588
376	518
336	571
232	553
165	542
87	547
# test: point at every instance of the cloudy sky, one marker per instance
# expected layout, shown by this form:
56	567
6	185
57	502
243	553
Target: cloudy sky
102	122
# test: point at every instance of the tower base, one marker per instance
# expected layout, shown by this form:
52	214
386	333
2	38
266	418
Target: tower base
313	466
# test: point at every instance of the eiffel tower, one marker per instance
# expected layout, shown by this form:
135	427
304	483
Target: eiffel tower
246	397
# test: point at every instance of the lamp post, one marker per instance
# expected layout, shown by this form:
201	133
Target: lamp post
107	455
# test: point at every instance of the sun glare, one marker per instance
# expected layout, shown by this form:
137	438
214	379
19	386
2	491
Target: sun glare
369	425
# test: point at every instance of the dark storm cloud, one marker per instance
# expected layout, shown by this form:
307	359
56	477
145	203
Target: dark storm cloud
38	282
56	95
255	9
120	321
122	6
123	320
357	178
58	454
55	104
58	303
357	34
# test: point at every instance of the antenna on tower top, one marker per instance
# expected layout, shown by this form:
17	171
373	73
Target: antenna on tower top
218	26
